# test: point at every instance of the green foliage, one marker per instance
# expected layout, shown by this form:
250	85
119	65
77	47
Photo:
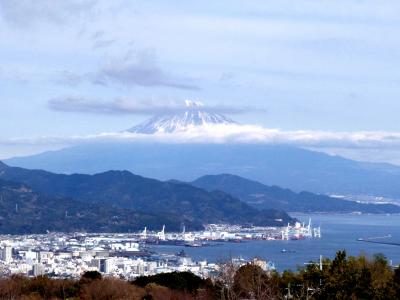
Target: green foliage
344	277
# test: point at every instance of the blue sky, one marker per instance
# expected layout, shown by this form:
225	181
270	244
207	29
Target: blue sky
326	66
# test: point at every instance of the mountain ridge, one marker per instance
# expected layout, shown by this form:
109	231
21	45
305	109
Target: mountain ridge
24	210
126	190
262	196
291	167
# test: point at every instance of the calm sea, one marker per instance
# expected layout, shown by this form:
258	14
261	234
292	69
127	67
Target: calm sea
338	232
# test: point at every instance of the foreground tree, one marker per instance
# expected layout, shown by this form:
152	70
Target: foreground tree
225	280
252	282
249	281
344	277
12	288
396	283
110	289
357	278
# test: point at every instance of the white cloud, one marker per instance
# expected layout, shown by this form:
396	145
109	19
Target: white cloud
141	68
133	106
26	12
234	133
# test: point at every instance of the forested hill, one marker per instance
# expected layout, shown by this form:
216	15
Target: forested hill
264	197
123	189
23	210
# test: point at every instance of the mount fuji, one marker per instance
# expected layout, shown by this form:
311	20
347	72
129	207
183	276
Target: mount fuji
186	159
193	116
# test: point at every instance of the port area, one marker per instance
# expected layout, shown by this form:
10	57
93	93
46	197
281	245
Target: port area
128	255
215	233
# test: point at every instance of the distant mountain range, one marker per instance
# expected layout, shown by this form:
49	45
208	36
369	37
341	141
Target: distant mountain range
126	194
266	197
294	168
34	201
291	167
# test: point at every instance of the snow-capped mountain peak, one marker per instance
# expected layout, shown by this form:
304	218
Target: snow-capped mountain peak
195	114
191	103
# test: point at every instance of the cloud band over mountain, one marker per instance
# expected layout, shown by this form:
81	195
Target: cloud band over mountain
130	106
233	133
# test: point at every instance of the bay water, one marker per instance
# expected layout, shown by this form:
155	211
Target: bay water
339	231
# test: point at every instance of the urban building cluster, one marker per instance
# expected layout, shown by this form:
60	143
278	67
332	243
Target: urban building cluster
69	255
127	255
62	255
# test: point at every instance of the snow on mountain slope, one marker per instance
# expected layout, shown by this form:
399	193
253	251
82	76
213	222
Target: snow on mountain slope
193	116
